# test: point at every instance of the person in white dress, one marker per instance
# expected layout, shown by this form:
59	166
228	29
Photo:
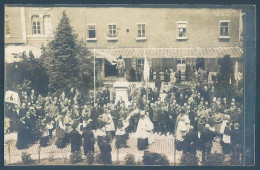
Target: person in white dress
143	131
150	128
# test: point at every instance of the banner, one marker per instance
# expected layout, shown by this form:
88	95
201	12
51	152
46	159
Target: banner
146	70
111	59
12	97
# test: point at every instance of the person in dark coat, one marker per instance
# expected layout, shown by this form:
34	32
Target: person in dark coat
132	75
206	138
190	141
71	94
151	75
164	120
75	139
181	100
205	94
22	111
150	95
156	114
115	116
89	140
226	139
22	135
237	144
105	150
107	96
94	114
158	84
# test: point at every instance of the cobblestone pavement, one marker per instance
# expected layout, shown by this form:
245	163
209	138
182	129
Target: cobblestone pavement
162	144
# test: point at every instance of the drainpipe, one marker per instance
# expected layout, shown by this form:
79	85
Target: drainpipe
23	25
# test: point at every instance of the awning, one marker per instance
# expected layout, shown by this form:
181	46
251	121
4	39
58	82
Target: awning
12	53
110	58
218	52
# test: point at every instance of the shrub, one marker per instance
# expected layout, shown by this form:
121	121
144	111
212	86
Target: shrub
151	158
98	158
189	159
26	158
216	159
129	159
90	158
76	157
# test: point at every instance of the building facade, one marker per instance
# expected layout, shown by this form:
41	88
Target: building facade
168	37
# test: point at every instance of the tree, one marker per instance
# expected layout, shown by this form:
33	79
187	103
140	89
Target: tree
27	74
225	81
67	60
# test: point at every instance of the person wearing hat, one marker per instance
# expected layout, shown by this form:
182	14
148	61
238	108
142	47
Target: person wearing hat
88	139
237	144
218	118
202	118
85	112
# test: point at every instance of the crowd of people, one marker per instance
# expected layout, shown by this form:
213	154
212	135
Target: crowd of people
191	113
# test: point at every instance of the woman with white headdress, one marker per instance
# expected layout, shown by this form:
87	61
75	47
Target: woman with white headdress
150	128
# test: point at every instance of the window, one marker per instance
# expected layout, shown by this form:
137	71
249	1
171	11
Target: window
181	61
36	28
47	25
112	30
141	30
7	29
224	29
182	30
140	63
91	32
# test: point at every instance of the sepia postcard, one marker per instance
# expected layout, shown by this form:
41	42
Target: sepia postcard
129	85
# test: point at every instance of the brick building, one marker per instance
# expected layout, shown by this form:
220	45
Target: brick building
168	37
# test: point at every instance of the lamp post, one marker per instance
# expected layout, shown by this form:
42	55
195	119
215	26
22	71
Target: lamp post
94	76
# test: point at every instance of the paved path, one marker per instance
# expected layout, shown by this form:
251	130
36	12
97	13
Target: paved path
162	144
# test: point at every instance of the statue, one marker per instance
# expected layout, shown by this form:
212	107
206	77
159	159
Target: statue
121	66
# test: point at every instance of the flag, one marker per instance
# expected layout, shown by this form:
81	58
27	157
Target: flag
146	70
111	59
12	97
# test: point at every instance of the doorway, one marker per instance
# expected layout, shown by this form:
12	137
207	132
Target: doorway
110	70
200	63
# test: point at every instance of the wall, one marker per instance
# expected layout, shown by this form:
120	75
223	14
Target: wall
161	27
15	26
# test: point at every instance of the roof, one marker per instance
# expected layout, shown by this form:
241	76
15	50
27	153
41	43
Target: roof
12	52
217	52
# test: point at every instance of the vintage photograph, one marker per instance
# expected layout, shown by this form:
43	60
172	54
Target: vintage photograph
124	85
